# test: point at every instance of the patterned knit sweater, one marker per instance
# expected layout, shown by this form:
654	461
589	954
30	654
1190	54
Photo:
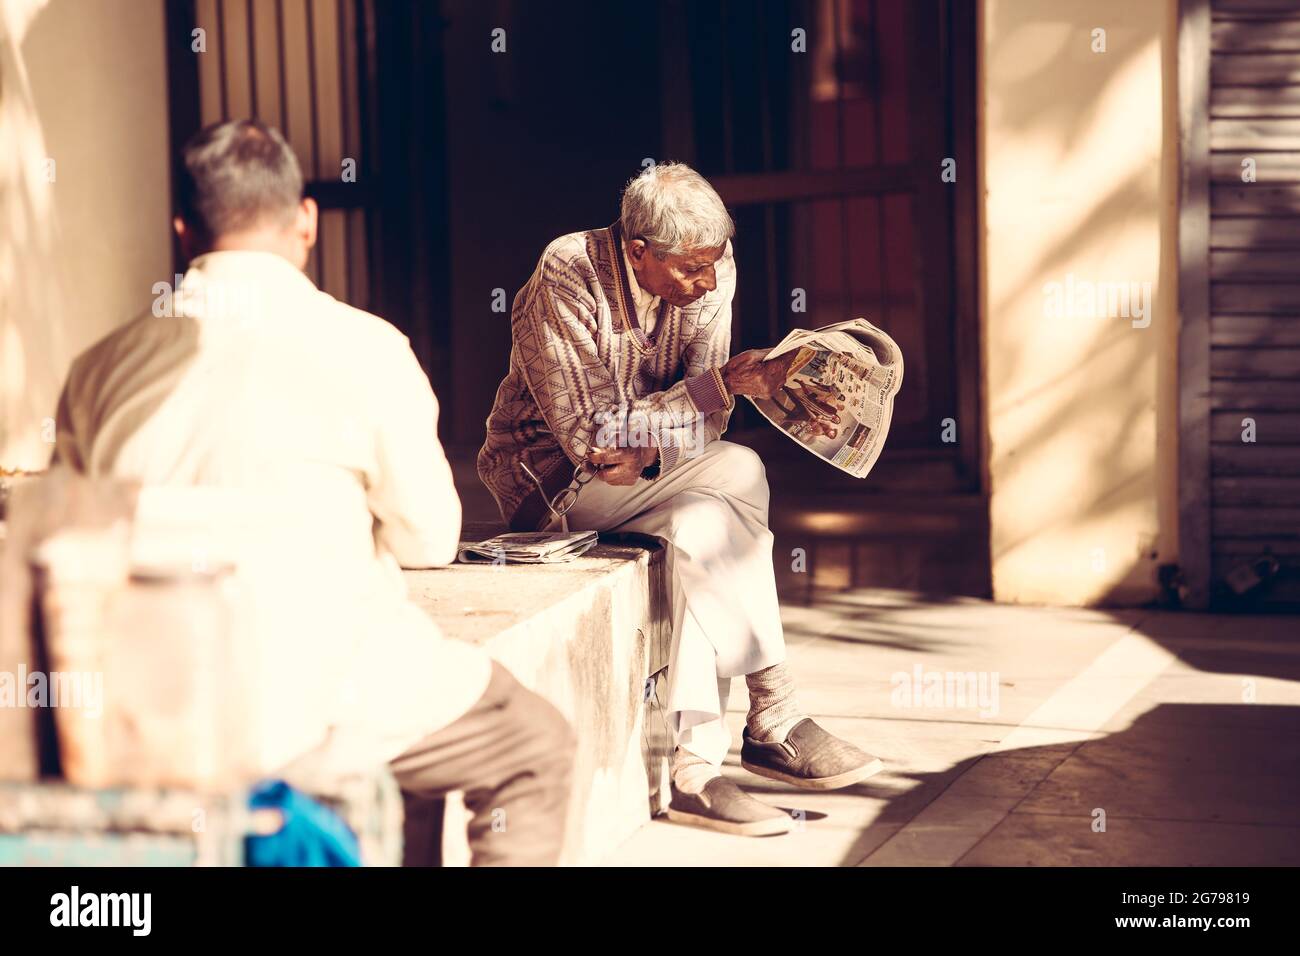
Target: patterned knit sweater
582	371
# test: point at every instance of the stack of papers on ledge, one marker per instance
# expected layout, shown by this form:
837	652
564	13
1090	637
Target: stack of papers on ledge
528	547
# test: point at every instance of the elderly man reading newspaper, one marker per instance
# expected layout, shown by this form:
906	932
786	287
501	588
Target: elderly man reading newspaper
610	418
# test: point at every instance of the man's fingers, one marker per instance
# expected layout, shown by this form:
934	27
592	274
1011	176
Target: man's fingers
609	456
618	475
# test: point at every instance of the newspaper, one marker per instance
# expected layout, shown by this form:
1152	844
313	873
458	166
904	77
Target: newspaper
528	547
839	394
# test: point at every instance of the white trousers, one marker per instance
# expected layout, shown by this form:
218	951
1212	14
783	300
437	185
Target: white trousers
711	510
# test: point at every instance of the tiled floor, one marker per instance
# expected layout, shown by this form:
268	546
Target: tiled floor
1133	737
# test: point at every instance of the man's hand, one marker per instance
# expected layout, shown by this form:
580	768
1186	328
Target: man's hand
622	466
748	374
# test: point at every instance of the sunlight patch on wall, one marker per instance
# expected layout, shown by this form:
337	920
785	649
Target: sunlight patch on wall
31	348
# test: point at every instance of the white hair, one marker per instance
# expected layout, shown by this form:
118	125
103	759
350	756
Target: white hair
675	210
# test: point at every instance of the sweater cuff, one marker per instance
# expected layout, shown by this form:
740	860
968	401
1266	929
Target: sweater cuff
669	451
707	391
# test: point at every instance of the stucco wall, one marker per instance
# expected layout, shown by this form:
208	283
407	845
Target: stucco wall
84	86
1079	167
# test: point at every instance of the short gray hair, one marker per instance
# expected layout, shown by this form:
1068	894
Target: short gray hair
236	174
674	209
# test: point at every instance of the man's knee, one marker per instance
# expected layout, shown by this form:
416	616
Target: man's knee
740	469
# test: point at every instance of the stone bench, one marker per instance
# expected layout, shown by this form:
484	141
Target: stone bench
587	636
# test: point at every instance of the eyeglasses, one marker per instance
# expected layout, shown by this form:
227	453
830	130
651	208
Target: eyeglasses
564	501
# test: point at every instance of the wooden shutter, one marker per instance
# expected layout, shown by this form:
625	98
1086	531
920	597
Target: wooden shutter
1253	307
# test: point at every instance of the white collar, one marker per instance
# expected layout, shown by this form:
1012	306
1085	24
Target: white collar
237	283
248	265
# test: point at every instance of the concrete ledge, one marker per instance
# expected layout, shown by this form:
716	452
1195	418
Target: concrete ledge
586	636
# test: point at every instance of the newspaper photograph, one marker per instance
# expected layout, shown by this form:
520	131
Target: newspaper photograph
838	396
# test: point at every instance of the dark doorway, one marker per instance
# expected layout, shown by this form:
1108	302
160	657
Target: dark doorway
832	160
483	130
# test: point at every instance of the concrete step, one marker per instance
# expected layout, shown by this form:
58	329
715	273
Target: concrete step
937	544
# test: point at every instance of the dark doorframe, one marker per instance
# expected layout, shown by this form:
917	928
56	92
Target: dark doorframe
727	113
183	116
395	51
404	127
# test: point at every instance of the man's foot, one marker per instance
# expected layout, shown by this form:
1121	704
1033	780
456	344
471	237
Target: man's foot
724	807
809	758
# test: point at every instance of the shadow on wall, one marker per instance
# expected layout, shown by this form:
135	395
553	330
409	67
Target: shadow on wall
31	348
1080	398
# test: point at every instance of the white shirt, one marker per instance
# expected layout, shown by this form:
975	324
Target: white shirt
645	304
263	396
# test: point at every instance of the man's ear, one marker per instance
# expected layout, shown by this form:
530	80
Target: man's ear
636	250
185	236
307	222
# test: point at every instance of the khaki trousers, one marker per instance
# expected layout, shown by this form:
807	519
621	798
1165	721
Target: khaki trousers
512	756
711	510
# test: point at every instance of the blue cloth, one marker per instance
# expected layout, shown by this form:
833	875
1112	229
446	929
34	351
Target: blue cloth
312	834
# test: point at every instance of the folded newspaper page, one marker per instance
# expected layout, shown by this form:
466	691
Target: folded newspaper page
838	397
528	547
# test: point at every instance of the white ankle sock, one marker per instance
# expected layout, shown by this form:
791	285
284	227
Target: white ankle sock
779	732
772	707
